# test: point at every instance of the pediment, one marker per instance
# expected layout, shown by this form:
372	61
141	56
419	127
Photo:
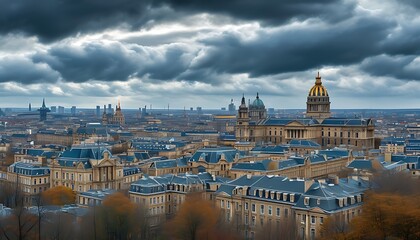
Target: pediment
224	194
294	124
317	210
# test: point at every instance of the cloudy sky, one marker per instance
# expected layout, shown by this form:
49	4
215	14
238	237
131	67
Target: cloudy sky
205	52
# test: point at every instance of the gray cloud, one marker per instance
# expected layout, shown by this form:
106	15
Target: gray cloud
22	70
115	61
51	19
296	49
400	67
269	11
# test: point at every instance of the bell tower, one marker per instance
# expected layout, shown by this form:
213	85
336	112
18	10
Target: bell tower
242	122
318	102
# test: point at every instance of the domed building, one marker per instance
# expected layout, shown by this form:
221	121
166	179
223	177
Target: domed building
318	103
116	118
318	126
257	110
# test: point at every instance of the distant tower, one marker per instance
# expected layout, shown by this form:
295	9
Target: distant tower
104	116
118	115
30	107
242	122
43	111
257	110
231	107
318	103
98	111
73	110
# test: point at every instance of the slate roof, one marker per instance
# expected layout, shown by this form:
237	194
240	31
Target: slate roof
346	122
29	169
405	158
252	166
281	189
283	122
361	164
213	155
142	155
278	149
326	196
157	184
303	143
70	158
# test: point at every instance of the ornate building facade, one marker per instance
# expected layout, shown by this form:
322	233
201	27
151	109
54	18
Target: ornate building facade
317	126
116	118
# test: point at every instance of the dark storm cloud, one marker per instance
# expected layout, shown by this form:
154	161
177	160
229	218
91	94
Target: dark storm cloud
22	70
54	19
92	62
296	49
412	3
405	40
115	62
400	67
269	11
51	19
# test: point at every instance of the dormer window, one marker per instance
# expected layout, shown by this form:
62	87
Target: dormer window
305	200
292	197
318	201
273	195
284	196
278	196
340	202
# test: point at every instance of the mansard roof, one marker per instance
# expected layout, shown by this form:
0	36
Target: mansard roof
214	155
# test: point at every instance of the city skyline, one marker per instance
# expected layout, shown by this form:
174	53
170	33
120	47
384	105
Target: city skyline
204	53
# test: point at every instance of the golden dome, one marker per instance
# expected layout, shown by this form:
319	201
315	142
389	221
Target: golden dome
318	90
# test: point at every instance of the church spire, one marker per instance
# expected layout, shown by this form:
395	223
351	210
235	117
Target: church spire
118	107
43	103
318	79
243	99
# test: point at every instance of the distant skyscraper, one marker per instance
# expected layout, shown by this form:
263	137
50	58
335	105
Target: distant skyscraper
60	109
53	109
110	109
73	110
98	111
232	107
30	107
43	111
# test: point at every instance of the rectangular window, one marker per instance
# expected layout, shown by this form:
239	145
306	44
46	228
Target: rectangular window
222	203
278	212
262	209
286	212
253	221
321	220
227	204
246	206
270	210
246	219
313	219
312	234
253	207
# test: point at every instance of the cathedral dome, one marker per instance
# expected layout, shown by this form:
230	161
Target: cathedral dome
318	90
257	103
